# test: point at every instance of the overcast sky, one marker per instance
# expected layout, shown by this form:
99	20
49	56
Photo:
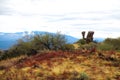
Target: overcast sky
68	16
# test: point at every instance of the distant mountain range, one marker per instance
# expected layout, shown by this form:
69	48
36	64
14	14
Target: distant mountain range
9	39
99	39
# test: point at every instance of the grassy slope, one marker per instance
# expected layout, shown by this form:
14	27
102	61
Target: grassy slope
62	66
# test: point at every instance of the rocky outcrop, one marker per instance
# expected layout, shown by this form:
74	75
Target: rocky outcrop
89	37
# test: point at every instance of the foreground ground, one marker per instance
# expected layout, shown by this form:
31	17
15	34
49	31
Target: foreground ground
52	65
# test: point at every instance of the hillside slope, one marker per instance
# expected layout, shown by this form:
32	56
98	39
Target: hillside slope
61	65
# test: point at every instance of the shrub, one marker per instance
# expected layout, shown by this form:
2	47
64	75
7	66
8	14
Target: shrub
81	41
69	47
88	46
29	45
110	44
49	41
4	55
105	46
1	53
115	43
81	76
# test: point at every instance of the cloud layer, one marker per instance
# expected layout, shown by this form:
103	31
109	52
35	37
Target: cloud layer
68	16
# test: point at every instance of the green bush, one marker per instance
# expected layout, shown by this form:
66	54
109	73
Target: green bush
105	46
81	41
4	55
113	42
1	52
81	76
69	47
110	44
29	45
89	46
49	41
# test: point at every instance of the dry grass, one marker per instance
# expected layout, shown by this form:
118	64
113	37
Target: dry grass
63	66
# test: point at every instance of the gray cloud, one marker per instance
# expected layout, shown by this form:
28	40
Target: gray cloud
4	9
78	16
85	24
116	29
115	15
59	15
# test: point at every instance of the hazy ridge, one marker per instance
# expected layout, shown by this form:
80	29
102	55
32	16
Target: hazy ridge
9	39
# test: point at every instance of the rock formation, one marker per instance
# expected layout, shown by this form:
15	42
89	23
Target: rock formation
89	37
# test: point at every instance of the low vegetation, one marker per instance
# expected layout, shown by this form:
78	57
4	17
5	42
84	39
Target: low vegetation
31	45
110	44
62	65
50	57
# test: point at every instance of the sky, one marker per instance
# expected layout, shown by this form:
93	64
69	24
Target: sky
70	17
